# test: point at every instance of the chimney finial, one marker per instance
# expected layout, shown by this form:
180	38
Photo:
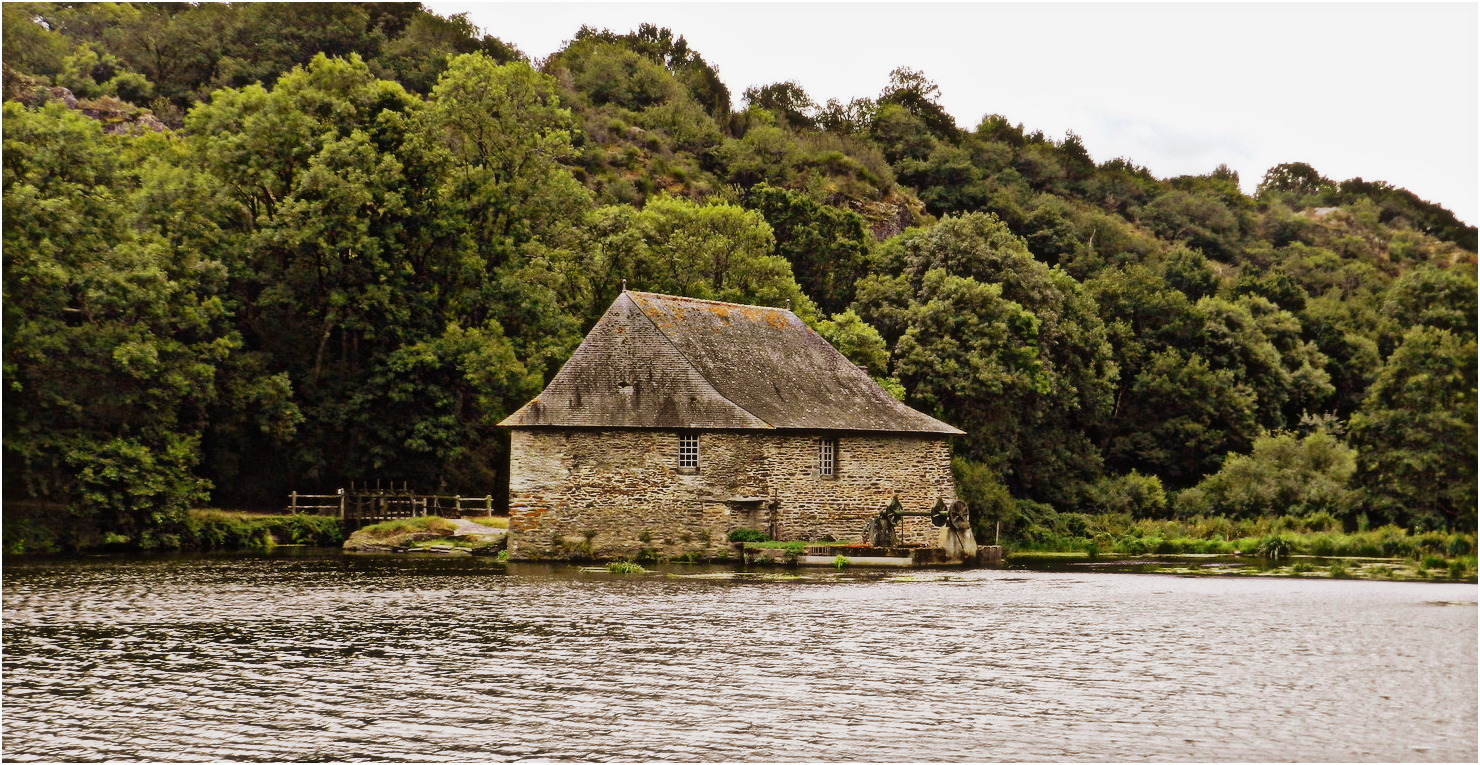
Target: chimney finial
624	285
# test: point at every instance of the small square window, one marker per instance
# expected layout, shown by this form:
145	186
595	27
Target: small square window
688	451
827	457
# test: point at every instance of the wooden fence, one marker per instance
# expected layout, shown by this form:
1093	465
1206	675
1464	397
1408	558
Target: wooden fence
364	505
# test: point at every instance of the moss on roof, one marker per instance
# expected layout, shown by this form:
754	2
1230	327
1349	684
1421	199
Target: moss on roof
659	361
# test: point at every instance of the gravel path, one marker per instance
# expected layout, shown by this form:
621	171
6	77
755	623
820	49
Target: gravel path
466	527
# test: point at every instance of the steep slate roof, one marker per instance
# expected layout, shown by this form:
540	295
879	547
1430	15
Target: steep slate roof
658	361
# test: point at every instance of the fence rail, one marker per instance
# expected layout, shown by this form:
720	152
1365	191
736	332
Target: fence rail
366	505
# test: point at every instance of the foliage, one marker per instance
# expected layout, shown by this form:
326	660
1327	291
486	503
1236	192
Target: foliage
115	343
827	247
259	247
217	530
715	251
748	535
1415	432
1284	475
1005	347
1141	496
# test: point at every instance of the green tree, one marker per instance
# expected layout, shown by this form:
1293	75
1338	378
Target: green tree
31	47
1178	416
999	344
1415	433
918	94
713	251
1134	494
113	340
827	247
419	55
1284	475
1293	177
688	68
1200	220
787	101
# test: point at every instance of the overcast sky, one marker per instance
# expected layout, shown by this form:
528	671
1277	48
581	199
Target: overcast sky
1382	91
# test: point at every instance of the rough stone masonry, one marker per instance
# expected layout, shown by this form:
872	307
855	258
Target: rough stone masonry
612	493
679	420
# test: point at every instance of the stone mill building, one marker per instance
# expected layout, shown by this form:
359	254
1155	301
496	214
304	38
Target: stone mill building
679	420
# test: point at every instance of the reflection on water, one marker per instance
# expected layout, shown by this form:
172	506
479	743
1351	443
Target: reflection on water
396	658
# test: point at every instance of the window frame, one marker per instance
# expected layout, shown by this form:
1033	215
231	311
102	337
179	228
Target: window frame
827	457
688	452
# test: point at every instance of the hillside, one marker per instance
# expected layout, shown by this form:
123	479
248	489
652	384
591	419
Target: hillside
253	248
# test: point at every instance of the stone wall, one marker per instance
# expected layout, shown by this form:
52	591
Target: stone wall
617	493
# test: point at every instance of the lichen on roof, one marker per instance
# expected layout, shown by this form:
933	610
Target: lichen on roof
661	361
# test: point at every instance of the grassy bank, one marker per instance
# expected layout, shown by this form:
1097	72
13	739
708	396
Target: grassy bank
29	531
429	533
1398	552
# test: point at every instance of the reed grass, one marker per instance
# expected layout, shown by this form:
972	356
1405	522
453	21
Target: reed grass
1318	535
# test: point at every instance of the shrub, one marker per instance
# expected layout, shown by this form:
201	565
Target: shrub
1284	474
625	567
1275	547
749	535
220	530
1141	496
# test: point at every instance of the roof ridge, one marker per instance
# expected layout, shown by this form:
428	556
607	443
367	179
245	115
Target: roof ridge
707	300
690	362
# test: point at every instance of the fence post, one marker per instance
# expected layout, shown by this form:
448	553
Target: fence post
488	505
341	503
293	503
457	505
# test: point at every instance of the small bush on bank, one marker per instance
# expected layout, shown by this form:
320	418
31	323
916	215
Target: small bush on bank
749	535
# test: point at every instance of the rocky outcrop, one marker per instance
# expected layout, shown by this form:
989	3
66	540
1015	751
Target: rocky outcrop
457	537
118	117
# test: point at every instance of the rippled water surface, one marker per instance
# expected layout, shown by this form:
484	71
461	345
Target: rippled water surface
337	657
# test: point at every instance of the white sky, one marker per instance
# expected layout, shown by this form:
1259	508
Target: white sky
1382	91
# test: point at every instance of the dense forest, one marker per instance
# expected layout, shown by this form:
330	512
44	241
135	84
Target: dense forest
255	248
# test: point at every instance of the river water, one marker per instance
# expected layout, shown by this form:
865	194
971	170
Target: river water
393	658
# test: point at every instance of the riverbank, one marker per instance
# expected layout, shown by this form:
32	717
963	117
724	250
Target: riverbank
1430	569
1303	548
47	530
